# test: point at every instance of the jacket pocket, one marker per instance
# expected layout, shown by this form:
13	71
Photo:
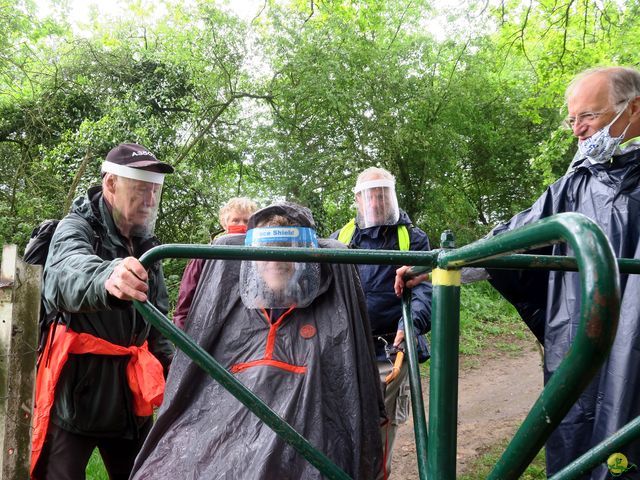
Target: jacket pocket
92	397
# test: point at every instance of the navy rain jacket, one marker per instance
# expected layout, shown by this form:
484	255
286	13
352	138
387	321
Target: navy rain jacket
384	307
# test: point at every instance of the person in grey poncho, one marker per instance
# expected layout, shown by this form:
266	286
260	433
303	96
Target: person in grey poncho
295	334
603	183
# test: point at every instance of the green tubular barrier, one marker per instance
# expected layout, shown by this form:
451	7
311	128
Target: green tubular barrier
549	262
600	452
443	386
329	255
417	402
534	262
599	313
220	374
598	322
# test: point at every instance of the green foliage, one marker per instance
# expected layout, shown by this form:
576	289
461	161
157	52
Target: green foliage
554	156
390	95
297	101
124	84
295	104
173	269
485	315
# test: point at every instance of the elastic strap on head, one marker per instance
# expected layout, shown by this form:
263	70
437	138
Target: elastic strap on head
382	182
133	173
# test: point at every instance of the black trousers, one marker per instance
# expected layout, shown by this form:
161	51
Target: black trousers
65	455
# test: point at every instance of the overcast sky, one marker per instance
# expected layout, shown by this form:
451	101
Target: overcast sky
80	9
246	9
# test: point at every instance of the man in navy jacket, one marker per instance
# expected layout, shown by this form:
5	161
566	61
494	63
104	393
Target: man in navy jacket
381	225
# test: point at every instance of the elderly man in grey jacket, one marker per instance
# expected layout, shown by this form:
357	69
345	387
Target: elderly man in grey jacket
102	374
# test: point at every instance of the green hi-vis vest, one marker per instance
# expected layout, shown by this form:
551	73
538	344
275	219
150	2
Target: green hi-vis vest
346	234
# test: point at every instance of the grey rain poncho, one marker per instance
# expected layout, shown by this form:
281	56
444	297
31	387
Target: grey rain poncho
314	367
549	302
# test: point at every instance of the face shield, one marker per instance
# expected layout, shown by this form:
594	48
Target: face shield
136	199
377	203
277	284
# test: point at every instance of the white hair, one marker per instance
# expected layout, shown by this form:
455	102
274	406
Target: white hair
624	82
377	172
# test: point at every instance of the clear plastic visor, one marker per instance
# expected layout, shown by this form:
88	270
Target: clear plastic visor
135	208
377	203
277	284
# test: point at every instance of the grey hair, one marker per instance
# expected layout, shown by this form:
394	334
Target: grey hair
624	82
369	172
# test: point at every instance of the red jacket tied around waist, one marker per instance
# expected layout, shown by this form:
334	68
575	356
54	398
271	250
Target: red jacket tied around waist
144	376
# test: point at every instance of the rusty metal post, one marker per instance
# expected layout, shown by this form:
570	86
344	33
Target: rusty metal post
19	311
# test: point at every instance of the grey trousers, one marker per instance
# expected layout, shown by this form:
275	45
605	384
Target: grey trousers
396	403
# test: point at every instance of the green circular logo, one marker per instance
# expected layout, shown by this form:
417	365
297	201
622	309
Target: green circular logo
617	463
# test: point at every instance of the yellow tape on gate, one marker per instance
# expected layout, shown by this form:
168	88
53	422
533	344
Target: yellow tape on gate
448	278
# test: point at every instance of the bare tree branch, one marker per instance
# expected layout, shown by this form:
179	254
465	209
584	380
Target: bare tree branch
76	180
400	23
262	9
566	31
222	108
311	4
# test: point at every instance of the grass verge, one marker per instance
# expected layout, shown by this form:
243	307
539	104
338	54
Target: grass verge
485	315
95	468
487	321
483	465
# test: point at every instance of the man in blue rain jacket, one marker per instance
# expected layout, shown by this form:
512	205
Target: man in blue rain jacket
381	225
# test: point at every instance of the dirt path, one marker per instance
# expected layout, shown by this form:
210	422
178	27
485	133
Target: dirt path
496	391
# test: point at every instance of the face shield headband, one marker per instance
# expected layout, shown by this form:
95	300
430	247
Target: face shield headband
132	173
377	203
277	284
136	200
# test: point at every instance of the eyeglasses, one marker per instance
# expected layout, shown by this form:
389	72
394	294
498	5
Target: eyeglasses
589	117
586	117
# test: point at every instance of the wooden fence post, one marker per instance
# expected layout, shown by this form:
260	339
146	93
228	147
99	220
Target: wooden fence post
19	311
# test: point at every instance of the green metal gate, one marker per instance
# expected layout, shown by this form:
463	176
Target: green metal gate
436	450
